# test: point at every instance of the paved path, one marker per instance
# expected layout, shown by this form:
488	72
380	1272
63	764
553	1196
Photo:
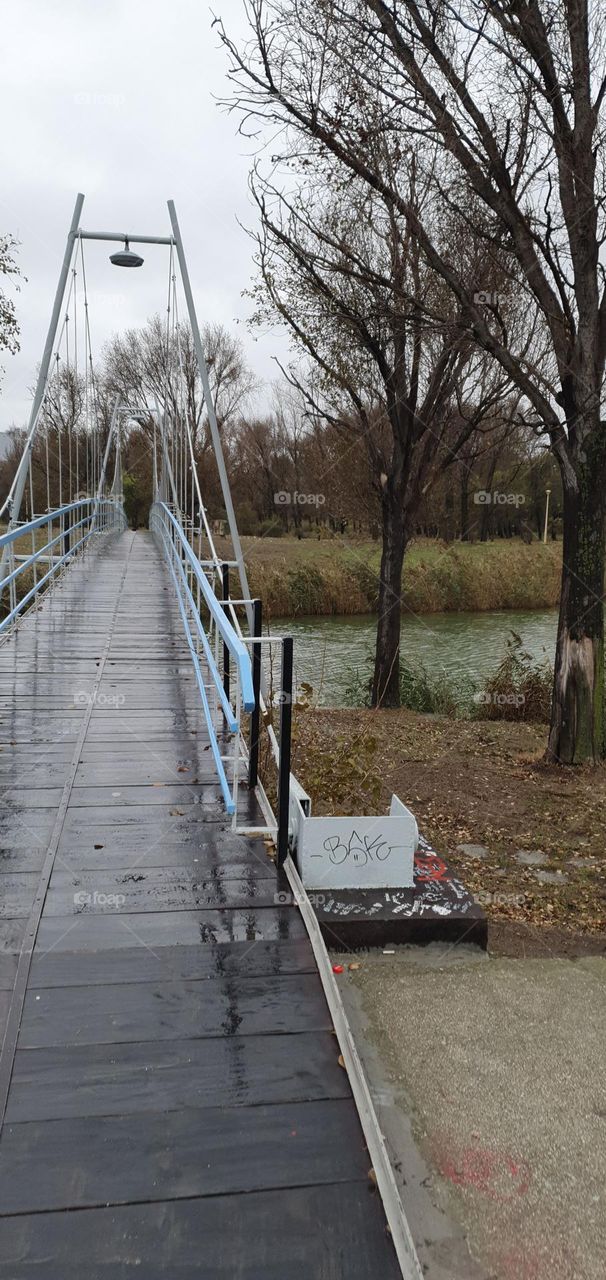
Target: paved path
173	1100
500	1066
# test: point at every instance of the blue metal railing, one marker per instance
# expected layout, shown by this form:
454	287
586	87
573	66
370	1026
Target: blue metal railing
194	593
96	515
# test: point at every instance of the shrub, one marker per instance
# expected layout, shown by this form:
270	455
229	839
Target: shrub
520	688
305	589
271	527
440	695
367	581
419	691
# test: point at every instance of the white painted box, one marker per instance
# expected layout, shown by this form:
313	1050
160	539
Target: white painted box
358	852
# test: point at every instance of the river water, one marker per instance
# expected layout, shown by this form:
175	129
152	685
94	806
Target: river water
328	649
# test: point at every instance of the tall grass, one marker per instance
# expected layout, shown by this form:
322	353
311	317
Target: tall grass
295	579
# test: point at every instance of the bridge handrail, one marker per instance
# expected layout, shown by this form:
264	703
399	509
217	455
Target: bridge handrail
57	513
228	633
93	508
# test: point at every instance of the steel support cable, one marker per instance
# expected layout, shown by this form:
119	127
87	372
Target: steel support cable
189	462
96	454
31	435
166	396
77	386
273	740
47	461
173	385
69	402
31	512
59	437
203	515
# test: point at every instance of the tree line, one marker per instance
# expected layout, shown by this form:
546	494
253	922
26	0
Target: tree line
291	471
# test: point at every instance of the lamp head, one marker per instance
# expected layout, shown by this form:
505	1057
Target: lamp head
125	257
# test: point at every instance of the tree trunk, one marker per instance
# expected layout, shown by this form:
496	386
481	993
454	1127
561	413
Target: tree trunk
464	505
486	517
577	715
386	680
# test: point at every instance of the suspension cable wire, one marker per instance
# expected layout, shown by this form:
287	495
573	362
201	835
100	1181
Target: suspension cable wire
59	435
54	376
68	397
6	506
86	412
180	403
54	379
31	516
88	442
184	412
167	401
77	391
47	461
96	441
176	408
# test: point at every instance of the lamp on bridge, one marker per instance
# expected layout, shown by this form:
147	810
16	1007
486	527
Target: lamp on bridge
125	257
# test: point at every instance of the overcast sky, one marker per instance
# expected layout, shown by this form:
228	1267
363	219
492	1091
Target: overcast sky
115	98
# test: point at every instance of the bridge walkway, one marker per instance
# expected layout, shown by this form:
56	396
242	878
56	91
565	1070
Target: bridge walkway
169	1080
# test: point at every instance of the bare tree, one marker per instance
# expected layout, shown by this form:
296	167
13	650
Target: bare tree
153	363
503	100
396	368
255	465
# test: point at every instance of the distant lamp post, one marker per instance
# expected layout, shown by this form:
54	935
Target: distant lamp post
547	493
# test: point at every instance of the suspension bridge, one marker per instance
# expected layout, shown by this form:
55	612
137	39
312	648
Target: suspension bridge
179	1089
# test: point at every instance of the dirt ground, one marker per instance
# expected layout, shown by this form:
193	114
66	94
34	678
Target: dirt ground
480	783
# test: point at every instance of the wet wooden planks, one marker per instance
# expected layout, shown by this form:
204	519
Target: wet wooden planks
175	1077
303	1233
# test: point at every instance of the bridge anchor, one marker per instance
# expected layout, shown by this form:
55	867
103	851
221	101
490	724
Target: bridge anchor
374	880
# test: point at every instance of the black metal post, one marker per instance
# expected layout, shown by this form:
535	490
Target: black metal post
225	578
253	751
285	732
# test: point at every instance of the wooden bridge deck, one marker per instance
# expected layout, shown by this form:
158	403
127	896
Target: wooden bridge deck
173	1100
